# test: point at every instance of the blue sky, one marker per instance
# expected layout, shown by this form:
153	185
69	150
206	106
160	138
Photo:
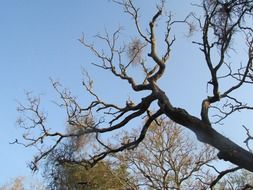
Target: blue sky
39	40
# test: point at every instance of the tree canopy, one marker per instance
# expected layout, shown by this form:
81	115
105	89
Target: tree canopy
219	26
59	174
168	159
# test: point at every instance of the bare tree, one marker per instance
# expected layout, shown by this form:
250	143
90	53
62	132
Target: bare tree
21	183
241	180
168	159
220	24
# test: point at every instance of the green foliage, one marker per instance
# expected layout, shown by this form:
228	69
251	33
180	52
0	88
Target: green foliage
99	177
63	174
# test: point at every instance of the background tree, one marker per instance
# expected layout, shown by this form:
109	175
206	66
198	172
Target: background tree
240	180
168	159
20	183
59	173
16	184
77	177
220	25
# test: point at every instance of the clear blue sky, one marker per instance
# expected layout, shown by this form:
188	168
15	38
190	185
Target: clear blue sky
39	40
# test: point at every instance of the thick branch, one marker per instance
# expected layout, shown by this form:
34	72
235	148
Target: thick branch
228	150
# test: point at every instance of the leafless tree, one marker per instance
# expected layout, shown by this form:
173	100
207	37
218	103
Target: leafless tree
241	180
220	24
168	159
21	183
